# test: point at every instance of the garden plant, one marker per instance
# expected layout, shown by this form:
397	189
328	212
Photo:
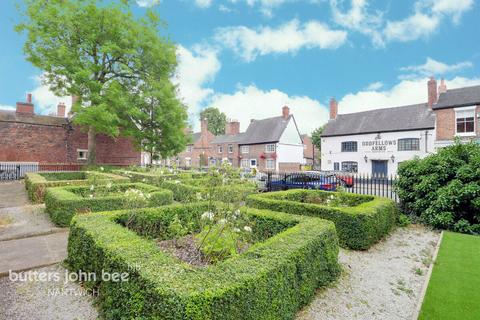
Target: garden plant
360	220
62	203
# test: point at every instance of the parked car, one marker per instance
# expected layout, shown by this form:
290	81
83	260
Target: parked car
303	180
346	178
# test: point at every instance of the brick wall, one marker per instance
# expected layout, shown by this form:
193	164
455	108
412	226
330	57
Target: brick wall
255	151
225	154
288	167
59	143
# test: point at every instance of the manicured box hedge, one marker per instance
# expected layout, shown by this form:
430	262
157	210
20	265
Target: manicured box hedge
189	190
360	220
37	183
62	203
273	279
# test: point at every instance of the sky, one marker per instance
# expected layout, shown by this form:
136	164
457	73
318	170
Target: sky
251	57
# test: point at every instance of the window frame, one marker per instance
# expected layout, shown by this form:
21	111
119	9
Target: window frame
345	143
243	148
272	150
336	166
270	161
230	148
85	151
219	149
189	148
465	113
354	163
253	165
402	144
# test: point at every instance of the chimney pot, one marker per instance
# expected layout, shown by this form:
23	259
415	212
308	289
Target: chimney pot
204	125
285	112
25	107
61	110
333	108
232	127
432	92
29	98
442	88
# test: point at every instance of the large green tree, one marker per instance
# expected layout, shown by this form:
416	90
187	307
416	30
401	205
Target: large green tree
99	52
216	120
317	137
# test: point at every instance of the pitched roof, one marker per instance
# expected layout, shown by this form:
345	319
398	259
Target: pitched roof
228	138
195	136
461	97
412	117
265	130
12	116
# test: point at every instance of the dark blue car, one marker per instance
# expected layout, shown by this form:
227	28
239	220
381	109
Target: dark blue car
304	181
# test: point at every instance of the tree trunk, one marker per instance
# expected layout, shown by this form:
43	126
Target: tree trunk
92	146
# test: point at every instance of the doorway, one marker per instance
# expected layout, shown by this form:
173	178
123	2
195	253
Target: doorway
379	168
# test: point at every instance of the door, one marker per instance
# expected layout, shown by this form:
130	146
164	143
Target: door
379	168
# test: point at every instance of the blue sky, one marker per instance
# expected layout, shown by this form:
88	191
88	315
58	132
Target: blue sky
251	57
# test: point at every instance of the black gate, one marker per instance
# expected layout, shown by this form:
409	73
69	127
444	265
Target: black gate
9	171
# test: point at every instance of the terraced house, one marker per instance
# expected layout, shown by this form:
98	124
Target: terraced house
267	144
377	141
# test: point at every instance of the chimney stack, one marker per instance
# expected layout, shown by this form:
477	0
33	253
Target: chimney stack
432	92
203	125
232	127
333	109
25	107
61	110
442	88
285	112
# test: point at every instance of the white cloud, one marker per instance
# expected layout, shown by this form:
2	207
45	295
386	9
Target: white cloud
253	103
404	93
287	38
374	86
359	19
46	101
266	6
203	3
434	67
416	26
455	8
196	68
147	3
7	107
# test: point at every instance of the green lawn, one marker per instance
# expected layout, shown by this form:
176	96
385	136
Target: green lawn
454	288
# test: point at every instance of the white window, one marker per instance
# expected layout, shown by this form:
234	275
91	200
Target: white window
189	148
188	162
220	149
270	148
270	165
244	163
82	154
253	163
230	148
244	149
465	121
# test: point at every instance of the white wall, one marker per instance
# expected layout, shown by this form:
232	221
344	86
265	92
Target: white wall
388	142
290	146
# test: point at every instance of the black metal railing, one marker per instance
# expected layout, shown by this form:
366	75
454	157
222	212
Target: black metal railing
377	185
17	170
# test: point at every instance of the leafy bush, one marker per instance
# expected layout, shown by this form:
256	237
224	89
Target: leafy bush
360	220
443	189
62	203
273	279
37	183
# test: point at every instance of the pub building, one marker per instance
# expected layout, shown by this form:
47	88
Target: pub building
375	142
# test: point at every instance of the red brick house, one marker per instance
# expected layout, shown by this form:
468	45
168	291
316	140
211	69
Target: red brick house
28	137
311	154
267	144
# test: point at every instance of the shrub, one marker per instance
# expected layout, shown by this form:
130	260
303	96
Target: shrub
37	183
62	203
443	189
155	177
360	220
271	280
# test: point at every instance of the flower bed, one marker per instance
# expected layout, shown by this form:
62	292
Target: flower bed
37	183
155	177
189	190
360	220
292	257
62	203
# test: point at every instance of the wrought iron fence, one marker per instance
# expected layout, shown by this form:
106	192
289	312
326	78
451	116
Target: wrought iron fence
382	186
16	170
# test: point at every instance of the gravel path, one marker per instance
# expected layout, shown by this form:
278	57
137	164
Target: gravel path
13	194
47	300
382	283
